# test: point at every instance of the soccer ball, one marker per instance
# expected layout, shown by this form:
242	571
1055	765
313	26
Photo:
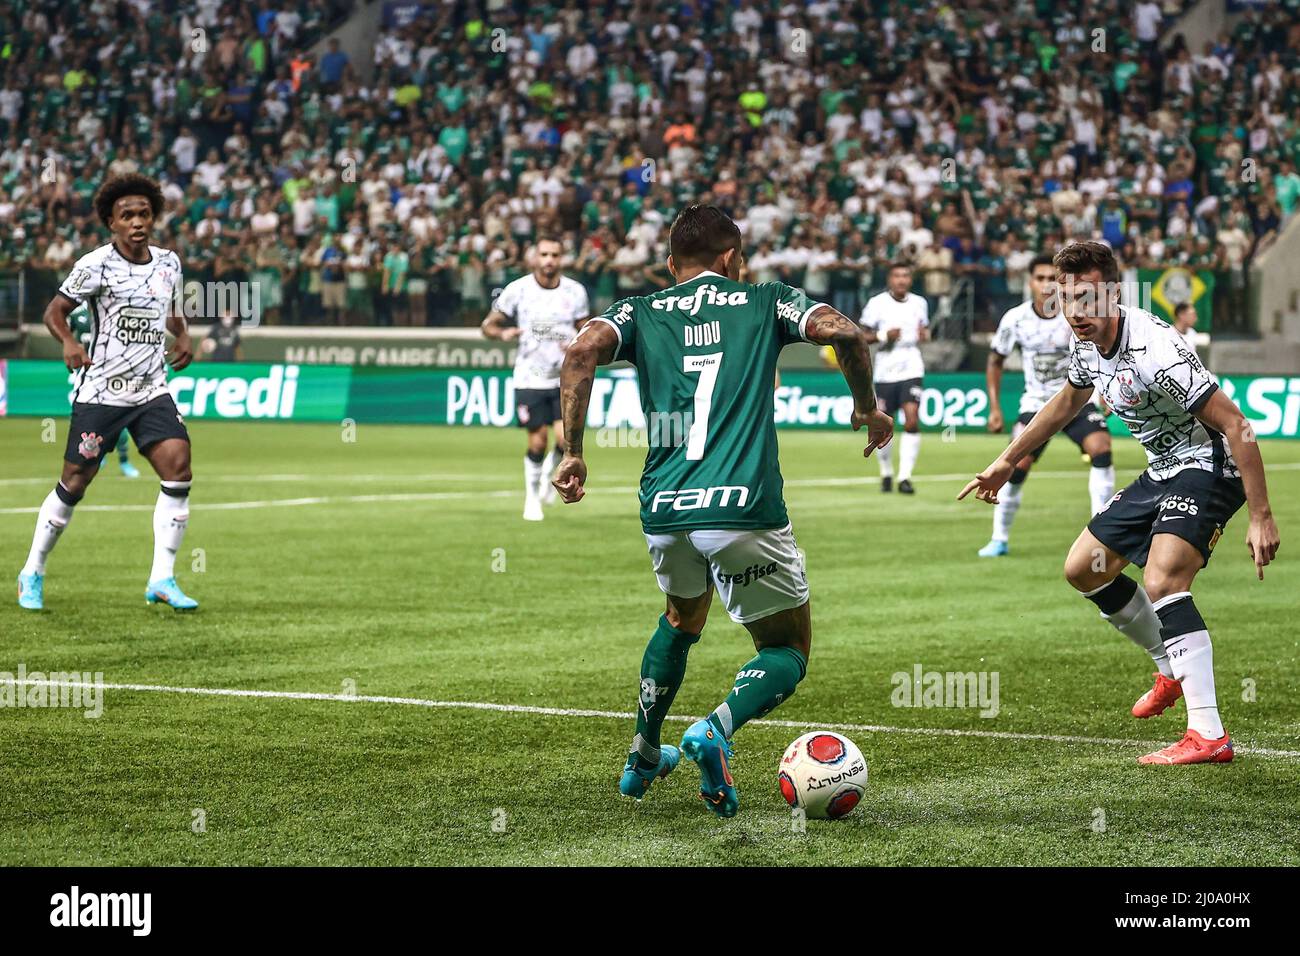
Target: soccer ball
823	774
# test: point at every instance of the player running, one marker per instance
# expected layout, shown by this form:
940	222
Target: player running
899	320
80	324
1202	463
1043	336
121	384
712	510
547	309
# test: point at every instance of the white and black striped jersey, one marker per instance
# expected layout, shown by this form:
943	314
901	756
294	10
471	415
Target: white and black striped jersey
1044	348
547	321
1155	384
129	305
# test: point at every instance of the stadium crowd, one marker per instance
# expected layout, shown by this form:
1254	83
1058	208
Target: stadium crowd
841	135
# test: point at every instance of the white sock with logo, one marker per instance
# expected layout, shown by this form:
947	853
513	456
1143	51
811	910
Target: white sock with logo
885	456
1101	486
1137	620
910	448
53	517
1191	656
1004	512
170	516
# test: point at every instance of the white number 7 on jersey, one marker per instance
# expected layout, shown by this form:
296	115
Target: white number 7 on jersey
707	366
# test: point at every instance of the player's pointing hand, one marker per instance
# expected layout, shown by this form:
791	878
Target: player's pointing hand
1262	540
880	429
569	479
988	482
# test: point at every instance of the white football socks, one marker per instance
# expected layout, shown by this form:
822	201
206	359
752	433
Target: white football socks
1192	658
885	457
1101	486
53	517
170	516
911	445
534	471
1137	620
1004	512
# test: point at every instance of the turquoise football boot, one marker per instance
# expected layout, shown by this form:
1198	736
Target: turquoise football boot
167	591
635	781
128	470
712	752
31	591
994	549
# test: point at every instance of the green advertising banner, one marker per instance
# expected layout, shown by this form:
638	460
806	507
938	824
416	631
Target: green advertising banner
1172	287
485	397
204	390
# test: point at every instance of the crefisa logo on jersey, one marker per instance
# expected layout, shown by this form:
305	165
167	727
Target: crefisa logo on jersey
704	295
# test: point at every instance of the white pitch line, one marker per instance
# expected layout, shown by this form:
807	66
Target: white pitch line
506	493
614	714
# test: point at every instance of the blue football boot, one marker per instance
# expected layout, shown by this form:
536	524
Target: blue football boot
31	591
994	549
711	752
635	781
167	591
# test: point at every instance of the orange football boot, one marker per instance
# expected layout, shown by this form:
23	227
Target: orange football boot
1193	748
1159	698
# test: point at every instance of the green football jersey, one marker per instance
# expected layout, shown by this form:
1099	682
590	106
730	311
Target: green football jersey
705	354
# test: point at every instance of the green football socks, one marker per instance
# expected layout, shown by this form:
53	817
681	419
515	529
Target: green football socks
662	669
761	685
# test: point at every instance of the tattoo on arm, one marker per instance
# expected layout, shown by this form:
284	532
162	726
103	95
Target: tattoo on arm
595	345
826	326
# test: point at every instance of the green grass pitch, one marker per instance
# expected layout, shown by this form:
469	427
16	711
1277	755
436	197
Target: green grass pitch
403	570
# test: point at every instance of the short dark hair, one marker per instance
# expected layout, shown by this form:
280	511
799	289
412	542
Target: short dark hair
900	264
1080	257
1042	259
127	184
700	234
1182	307
548	237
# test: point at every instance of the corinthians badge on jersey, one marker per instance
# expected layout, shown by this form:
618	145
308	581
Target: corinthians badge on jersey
91	445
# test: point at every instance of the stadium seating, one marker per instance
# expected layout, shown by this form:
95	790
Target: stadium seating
841	135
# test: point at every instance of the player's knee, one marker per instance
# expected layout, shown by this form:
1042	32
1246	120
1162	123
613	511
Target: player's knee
1159	583
689	621
1103	459
1081	573
77	478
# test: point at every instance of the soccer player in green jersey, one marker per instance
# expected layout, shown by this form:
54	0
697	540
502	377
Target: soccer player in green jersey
712	510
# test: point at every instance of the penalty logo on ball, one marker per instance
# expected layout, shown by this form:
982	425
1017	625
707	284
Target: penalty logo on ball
824	774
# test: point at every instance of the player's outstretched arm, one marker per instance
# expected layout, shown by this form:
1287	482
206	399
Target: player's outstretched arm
826	326
1051	418
596	344
1226	418
56	320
